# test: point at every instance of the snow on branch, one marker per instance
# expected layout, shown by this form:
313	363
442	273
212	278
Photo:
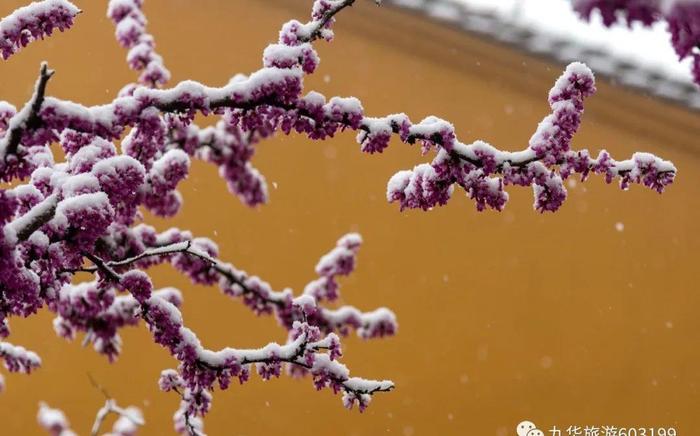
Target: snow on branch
270	99
16	124
34	21
54	421
18	359
323	14
483	171
201	368
129	420
64	220
197	259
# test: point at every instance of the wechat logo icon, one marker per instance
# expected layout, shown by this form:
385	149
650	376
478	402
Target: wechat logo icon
527	428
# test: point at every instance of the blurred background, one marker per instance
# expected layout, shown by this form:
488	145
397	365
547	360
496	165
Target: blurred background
583	317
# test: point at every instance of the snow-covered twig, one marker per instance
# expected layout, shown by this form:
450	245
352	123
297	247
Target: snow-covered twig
202	367
54	421
34	21
128	422
18	359
193	259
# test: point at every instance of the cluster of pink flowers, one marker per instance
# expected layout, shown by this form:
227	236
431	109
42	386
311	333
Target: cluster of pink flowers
33	22
87	208
683	17
131	34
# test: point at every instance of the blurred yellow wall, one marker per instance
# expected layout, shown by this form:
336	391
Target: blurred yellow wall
557	318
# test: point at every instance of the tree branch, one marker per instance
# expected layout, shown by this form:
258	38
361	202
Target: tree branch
28	118
318	25
36	217
162	316
111	406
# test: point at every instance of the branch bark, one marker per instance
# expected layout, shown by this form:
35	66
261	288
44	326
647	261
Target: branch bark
28	117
